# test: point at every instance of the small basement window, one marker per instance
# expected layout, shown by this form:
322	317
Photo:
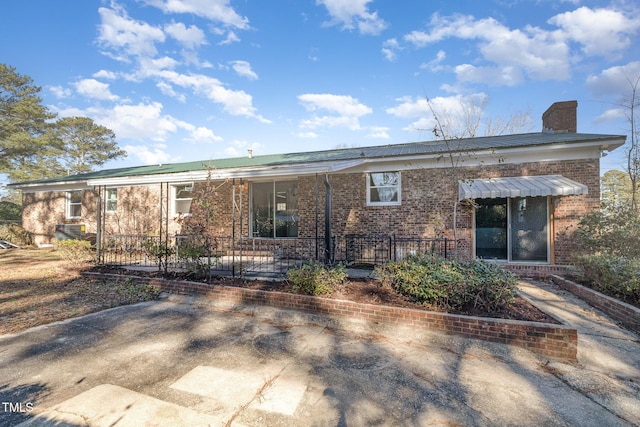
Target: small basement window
74	204
383	189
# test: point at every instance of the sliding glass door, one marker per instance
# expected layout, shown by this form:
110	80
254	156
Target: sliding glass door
274	209
491	228
512	229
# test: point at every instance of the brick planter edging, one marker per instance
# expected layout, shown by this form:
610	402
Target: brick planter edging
626	314
558	342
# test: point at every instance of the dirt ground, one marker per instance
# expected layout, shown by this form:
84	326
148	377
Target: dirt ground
38	287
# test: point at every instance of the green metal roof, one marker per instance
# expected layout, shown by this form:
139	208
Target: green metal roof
383	151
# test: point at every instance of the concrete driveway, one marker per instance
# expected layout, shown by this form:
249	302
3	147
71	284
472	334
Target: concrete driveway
191	361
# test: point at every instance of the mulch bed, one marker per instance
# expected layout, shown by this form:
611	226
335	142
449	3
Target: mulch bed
366	291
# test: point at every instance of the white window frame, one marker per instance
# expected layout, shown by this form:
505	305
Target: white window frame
71	204
175	199
398	190
107	199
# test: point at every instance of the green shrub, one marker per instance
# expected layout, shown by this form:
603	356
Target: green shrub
10	211
158	251
608	252
195	257
130	291
429	279
76	252
614	230
612	275
315	279
15	234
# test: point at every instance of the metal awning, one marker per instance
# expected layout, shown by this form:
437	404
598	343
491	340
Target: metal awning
519	186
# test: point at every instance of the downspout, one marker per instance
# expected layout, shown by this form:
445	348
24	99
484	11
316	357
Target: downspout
233	227
328	248
98	223
317	225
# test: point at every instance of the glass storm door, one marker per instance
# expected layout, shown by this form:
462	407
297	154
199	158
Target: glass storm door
514	229
529	229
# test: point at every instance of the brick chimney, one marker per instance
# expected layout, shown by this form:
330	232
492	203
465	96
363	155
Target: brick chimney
561	117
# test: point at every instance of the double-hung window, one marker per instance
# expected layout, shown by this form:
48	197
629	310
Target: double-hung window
182	196
74	204
111	197
274	209
383	188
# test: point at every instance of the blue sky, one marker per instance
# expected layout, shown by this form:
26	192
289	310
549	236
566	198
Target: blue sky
182	80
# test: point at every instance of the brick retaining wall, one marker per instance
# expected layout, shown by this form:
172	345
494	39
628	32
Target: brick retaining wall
536	271
626	314
557	342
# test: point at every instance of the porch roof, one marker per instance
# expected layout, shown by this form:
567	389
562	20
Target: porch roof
519	186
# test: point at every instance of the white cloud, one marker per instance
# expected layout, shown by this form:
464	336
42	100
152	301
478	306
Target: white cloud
125	36
150	155
389	49
435	64
139	122
615	81
341	104
203	135
511	53
379	132
306	135
453	112
352	14
611	114
232	37
237	103
105	74
599	31
92	88
243	68
345	111
148	67
507	75
190	38
168	90
59	91
214	10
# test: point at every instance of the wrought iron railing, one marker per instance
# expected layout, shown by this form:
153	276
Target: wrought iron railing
377	249
238	257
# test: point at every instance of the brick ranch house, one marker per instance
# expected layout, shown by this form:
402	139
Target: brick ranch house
518	196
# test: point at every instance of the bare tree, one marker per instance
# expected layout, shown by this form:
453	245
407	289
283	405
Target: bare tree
454	131
629	104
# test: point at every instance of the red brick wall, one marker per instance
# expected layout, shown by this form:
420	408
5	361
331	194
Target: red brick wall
138	211
42	211
427	203
426	209
624	313
561	116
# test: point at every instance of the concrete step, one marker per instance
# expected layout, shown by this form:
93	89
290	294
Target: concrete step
108	405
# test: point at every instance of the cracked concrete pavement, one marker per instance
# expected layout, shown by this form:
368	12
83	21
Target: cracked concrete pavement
194	361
